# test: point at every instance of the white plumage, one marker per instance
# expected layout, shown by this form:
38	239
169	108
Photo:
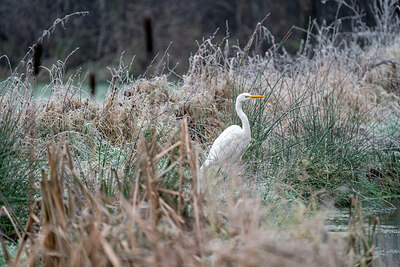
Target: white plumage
233	141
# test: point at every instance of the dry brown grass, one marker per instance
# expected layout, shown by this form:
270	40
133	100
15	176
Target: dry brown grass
72	226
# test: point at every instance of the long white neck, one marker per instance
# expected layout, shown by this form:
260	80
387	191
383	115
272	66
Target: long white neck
243	117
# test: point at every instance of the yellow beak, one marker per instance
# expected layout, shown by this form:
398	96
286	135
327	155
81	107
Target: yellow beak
257	96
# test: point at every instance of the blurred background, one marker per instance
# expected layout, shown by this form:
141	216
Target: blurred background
147	28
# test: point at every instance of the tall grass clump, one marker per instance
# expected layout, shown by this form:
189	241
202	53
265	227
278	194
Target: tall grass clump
19	143
17	163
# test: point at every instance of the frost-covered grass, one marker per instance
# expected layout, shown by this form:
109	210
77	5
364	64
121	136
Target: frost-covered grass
115	181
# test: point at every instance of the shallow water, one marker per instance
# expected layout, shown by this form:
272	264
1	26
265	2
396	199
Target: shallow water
388	244
388	241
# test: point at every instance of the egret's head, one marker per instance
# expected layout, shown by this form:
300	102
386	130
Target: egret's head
246	96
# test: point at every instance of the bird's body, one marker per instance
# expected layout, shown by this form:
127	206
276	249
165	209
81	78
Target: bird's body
233	141
228	147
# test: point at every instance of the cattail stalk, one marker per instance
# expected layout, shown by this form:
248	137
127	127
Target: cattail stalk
149	35
37	57
92	84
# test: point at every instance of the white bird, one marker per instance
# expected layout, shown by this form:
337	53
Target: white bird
231	143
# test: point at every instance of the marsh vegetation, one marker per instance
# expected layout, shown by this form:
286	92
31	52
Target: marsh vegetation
88	182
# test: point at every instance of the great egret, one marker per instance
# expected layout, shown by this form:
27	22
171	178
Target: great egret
231	143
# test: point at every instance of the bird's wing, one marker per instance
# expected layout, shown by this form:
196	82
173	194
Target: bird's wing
229	143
